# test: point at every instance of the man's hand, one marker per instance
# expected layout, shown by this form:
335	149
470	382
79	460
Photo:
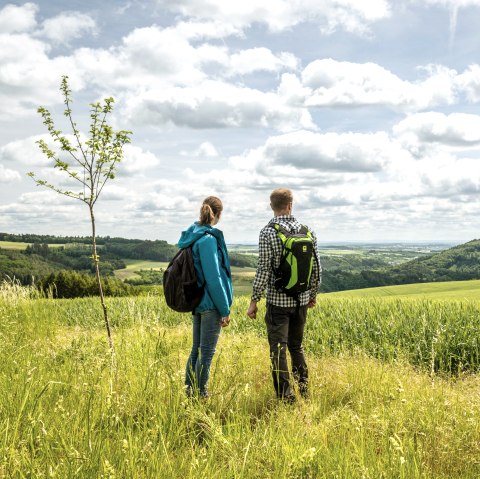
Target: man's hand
252	310
312	303
225	321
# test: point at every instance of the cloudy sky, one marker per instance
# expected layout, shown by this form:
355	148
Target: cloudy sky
368	111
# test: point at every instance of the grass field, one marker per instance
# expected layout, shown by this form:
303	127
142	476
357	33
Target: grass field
134	265
242	279
383	404
444	290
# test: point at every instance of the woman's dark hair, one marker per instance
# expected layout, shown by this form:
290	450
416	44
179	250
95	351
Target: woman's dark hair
211	208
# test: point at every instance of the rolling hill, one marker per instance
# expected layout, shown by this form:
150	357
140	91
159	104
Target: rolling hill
458	263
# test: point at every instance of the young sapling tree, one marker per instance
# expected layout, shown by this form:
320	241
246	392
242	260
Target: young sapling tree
90	162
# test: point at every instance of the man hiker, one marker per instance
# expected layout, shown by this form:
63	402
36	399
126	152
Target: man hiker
289	271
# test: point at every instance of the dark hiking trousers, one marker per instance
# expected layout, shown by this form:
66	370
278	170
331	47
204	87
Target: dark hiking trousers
285	328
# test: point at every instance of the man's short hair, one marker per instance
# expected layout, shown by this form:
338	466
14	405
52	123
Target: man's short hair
280	198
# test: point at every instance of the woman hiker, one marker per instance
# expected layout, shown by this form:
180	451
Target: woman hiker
212	267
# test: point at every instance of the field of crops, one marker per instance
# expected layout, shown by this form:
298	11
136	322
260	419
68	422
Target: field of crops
395	393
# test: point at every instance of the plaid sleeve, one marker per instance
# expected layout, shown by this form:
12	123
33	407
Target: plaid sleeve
317	270
264	267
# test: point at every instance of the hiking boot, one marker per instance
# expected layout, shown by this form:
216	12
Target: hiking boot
290	399
303	388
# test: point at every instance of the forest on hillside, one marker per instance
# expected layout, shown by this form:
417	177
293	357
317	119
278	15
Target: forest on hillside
46	256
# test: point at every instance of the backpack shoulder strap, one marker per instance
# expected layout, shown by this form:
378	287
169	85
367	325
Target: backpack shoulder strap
305	230
281	230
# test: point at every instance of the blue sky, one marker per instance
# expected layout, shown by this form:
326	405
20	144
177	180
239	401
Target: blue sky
368	111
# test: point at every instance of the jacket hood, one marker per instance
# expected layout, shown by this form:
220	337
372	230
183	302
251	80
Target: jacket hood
195	231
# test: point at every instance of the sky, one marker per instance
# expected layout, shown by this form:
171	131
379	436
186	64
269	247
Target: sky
368	111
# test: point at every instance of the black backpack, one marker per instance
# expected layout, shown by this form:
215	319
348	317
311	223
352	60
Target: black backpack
180	287
294	273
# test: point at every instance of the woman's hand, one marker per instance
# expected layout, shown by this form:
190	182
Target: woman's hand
225	321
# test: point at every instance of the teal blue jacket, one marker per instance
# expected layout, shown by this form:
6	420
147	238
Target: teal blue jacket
212	266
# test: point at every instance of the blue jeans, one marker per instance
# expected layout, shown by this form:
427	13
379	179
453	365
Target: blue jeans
206	330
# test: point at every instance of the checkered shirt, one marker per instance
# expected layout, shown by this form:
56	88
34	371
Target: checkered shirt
269	253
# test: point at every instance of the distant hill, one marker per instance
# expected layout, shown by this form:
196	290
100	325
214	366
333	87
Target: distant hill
454	264
46	254
461	262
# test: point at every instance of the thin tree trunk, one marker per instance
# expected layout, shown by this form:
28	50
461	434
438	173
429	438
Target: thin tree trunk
99	282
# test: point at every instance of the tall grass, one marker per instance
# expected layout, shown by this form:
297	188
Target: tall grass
64	413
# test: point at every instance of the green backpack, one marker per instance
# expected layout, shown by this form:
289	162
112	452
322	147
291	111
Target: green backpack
294	273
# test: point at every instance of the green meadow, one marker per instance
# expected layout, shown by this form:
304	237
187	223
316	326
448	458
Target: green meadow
394	384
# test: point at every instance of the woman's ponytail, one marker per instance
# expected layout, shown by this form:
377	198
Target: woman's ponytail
211	208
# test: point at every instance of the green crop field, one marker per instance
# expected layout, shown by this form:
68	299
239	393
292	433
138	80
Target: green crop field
22	246
395	392
446	290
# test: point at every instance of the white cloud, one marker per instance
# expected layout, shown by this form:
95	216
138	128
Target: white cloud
318	199
214	104
154	202
8	176
161	53
469	83
35	210
136	160
261	58
29	78
348	152
154	57
206	149
43	196
334	83
205	29
456	129
67	26
16	19
450	178
24	152
113	192
278	15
